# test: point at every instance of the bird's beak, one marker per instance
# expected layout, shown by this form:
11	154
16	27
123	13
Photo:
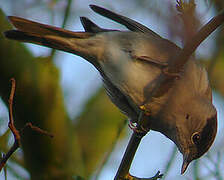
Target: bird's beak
185	164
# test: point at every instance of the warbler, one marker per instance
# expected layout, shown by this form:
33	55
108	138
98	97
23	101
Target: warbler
130	63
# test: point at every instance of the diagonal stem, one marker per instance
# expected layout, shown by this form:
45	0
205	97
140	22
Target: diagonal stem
189	48
16	133
137	135
129	154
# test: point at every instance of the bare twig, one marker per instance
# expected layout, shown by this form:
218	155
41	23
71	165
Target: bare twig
217	170
11	120
66	15
12	128
120	129
170	161
37	129
5	172
15	132
137	135
189	48
123	170
187	13
196	169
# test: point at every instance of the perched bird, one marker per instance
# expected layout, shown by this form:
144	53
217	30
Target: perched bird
130	63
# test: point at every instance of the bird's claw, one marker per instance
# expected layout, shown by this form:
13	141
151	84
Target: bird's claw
157	176
139	126
136	128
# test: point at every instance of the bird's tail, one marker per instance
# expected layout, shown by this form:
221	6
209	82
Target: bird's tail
79	43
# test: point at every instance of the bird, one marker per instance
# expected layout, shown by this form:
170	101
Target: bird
130	62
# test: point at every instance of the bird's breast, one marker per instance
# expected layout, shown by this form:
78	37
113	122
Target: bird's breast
135	79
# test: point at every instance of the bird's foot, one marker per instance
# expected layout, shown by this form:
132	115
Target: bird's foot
142	125
157	176
136	128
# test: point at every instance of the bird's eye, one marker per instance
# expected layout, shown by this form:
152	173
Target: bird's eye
195	138
187	116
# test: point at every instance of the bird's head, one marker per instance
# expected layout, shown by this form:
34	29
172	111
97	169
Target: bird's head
196	131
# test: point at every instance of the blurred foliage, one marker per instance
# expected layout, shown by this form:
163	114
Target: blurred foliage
217	78
81	148
38	100
96	129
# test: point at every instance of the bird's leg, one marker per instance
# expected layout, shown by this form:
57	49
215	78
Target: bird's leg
143	124
139	126
144	121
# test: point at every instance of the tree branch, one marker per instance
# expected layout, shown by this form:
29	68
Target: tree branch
15	132
137	135
66	15
181	59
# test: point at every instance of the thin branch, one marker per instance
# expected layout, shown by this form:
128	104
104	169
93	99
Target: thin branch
187	13
123	170
120	129
181	59
12	171
11	120
4	140
196	169
129	154
170	161
12	128
36	129
137	135
66	15
217	170
176	65
15	132
67	12
5	172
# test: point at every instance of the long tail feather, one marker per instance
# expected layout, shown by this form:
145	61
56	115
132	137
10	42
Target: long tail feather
48	41
44	29
83	44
